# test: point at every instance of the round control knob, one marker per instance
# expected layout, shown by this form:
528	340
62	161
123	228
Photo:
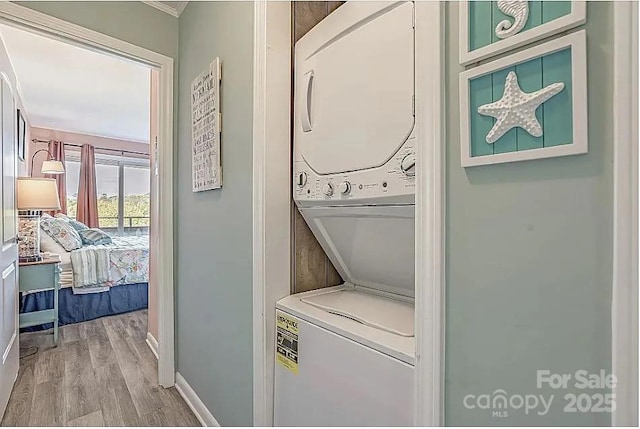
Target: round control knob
344	187
327	189
408	164
301	179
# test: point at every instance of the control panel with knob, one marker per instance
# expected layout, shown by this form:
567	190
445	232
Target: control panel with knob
327	189
301	179
344	188
390	183
408	164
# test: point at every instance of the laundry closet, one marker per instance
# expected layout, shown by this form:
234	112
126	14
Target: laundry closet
345	354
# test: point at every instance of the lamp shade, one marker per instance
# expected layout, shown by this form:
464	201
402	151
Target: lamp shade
35	193
52	167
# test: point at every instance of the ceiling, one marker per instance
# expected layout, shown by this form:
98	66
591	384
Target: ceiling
67	88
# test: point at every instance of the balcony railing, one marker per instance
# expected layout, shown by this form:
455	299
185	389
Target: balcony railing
131	224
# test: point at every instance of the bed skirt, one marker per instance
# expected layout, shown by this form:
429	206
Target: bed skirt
80	308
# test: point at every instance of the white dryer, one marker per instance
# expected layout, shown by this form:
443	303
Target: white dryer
354	107
345	355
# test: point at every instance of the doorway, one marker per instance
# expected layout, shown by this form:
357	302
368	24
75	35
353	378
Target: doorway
161	153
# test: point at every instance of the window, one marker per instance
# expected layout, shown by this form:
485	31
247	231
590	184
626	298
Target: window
72	173
123	191
107	187
136	197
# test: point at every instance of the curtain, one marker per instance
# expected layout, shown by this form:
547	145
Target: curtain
87	194
56	149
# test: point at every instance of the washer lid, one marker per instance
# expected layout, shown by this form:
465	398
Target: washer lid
306	307
370	246
354	87
390	315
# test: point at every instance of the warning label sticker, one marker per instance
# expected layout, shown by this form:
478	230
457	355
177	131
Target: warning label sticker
287	342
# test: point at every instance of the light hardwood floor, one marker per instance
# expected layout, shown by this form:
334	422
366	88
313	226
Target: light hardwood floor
101	374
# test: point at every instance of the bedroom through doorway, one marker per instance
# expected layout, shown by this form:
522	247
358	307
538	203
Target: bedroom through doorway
88	122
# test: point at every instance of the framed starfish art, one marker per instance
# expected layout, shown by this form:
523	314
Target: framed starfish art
528	105
488	28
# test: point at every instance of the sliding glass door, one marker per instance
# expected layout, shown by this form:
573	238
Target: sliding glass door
72	173
108	192
123	191
137	202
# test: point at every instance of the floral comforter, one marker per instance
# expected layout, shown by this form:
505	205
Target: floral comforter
126	261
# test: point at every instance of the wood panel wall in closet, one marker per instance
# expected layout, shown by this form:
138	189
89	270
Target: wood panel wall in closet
311	267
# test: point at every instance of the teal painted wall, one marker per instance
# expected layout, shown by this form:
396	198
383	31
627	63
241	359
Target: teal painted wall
529	256
214	228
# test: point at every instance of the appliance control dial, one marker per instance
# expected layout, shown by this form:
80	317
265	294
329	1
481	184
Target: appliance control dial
327	189
301	179
344	187
408	164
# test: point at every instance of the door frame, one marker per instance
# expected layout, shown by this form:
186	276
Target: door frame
272	202
271	191
55	28
430	214
624	305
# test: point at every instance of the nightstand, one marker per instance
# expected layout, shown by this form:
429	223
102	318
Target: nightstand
41	275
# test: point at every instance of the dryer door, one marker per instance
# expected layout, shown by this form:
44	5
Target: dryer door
354	87
369	246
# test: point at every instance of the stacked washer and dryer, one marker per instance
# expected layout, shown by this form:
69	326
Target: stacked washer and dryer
354	184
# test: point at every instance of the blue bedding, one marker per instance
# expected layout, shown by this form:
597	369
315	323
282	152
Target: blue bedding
79	308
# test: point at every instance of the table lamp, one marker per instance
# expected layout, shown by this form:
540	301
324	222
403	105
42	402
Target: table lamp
35	194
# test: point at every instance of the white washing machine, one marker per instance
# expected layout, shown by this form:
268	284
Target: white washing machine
345	355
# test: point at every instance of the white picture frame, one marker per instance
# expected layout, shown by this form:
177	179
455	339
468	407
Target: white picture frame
206	169
576	17
577	43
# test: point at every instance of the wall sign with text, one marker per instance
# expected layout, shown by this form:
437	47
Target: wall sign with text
205	129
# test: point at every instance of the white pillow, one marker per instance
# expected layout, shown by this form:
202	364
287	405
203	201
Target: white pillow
48	244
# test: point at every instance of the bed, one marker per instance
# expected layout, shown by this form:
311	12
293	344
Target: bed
95	280
96	268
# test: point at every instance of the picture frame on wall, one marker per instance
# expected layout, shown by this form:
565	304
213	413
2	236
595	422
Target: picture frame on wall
528	105
488	28
21	136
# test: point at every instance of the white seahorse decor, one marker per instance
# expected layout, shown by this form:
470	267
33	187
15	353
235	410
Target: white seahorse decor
490	28
519	11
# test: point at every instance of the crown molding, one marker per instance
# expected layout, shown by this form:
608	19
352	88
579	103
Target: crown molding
168	9
181	6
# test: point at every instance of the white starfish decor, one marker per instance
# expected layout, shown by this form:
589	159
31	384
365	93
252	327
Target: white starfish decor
517	108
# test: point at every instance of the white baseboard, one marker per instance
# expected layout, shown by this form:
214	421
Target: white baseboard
200	410
153	344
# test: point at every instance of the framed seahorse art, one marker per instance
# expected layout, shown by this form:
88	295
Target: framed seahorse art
488	28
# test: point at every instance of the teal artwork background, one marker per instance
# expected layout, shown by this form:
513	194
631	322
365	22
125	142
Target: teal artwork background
555	115
484	16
